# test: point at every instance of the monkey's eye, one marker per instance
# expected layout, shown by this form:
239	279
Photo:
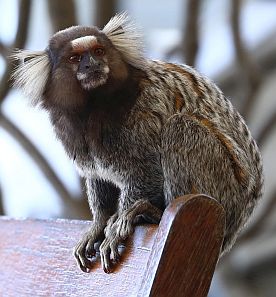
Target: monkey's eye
76	58
99	51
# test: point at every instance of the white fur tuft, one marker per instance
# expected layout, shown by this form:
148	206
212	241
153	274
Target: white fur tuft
32	73
127	38
84	42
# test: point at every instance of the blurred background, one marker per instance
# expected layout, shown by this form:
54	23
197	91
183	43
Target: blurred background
231	41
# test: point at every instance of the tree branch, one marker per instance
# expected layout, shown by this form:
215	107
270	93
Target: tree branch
19	42
1	203
75	207
257	226
71	203
35	155
23	23
3	49
190	41
266	130
62	13
251	73
105	10
78	207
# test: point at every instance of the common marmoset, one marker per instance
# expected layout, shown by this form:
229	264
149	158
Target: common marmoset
141	132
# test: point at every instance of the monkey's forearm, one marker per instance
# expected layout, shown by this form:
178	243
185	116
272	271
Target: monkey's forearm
102	197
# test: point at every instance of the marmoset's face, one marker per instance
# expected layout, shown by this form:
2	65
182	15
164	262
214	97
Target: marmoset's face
89	61
85	55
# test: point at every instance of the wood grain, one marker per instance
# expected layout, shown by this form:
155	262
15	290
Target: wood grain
186	249
36	259
36	256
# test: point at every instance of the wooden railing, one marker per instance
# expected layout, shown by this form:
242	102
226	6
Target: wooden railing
177	258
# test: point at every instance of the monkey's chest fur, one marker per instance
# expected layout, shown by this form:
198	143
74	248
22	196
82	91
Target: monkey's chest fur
106	146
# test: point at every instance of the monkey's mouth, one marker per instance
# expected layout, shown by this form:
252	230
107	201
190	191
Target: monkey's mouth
92	79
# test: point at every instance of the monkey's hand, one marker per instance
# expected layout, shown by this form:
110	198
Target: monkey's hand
85	250
120	226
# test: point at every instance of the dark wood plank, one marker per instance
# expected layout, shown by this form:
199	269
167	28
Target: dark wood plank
186	249
36	260
36	256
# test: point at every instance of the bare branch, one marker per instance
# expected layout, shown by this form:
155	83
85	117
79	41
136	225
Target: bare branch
105	10
266	130
77	208
3	49
23	23
4	84
173	51
190	41
36	156
62	13
251	73
77	205
1	203
255	228
19	42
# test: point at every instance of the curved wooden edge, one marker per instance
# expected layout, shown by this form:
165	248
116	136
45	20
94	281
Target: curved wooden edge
186	248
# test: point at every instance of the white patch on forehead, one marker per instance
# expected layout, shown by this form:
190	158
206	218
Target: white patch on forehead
84	42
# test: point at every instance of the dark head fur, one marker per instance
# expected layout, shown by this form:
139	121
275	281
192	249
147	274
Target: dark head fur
49	79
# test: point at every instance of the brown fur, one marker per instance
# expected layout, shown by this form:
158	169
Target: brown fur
179	102
239	172
188	76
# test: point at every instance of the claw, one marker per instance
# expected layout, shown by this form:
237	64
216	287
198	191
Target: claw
90	250
81	255
106	265
84	269
105	252
115	252
83	263
107	269
116	258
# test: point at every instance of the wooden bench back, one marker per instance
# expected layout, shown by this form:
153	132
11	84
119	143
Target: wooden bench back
177	258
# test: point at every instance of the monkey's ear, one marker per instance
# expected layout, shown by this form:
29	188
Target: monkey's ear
32	73
127	39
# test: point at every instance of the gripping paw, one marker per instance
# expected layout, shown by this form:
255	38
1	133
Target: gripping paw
84	251
124	226
120	226
116	231
108	249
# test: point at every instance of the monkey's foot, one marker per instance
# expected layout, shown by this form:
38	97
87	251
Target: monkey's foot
115	234
120	226
109	224
85	250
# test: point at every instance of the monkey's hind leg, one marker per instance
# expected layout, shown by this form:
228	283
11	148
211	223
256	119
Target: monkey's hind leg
195	160
120	226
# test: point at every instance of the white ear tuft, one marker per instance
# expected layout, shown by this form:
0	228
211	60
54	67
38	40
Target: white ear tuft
32	73
127	39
